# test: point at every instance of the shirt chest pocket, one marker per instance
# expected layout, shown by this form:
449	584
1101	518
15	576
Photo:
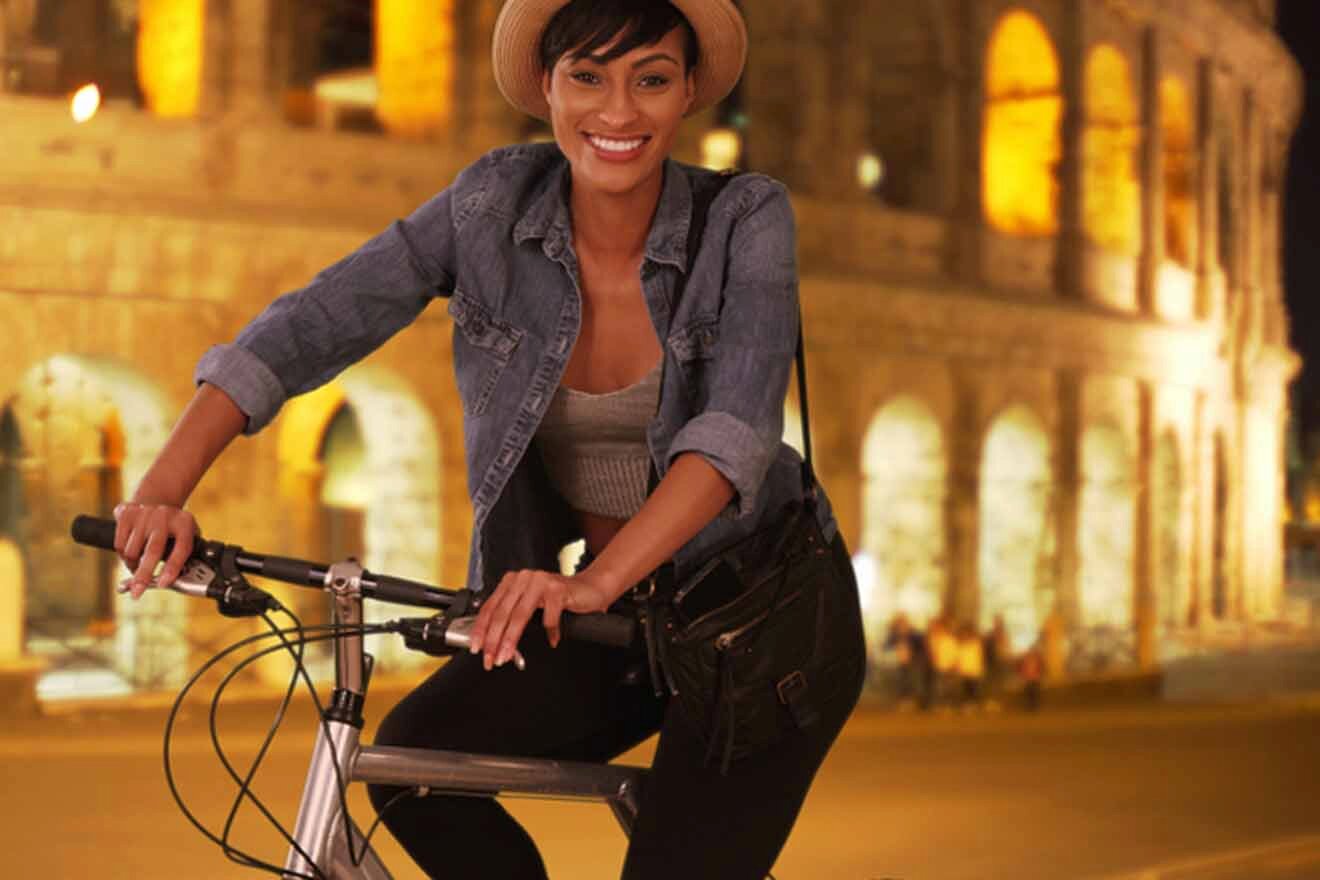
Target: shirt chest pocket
483	347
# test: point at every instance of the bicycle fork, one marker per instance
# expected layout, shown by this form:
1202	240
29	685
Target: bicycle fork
327	844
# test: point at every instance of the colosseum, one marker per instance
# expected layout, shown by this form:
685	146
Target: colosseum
1039	243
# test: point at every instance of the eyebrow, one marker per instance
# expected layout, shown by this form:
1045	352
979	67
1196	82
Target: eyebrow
656	56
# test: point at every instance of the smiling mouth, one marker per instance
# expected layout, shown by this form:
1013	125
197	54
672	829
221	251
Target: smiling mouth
617	145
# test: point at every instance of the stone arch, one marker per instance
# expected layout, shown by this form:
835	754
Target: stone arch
1179	162
904	57
1111	194
393	478
89	430
1172	554
901	560
1105	529
1020	140
1015	553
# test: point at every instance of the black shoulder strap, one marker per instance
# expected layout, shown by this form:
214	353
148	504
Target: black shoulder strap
703	196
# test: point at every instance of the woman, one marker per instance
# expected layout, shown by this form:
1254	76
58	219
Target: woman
584	378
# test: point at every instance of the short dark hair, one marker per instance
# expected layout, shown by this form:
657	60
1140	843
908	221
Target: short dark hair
584	26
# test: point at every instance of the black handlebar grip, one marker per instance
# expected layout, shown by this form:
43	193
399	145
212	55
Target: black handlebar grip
614	630
94	531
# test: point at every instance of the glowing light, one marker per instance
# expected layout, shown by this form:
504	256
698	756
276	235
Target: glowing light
415	52
903	511
86	101
1016	551
721	148
1111	192
170	55
1107	511
870	171
1020	141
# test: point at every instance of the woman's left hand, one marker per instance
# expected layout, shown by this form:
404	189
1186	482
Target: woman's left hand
503	617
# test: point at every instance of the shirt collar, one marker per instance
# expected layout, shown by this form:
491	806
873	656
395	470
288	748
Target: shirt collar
548	217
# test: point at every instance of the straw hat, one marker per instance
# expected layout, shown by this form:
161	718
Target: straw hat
516	50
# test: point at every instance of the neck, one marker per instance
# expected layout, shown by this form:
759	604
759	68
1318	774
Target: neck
614	225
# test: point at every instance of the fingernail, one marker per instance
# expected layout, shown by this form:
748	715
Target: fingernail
503	657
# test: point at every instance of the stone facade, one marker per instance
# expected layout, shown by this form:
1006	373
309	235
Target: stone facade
1066	431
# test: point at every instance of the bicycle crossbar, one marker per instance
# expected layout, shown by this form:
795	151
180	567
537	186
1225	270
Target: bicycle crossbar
466	772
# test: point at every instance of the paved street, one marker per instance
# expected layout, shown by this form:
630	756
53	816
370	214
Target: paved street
1154	793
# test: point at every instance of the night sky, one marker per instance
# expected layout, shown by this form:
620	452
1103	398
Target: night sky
1299	25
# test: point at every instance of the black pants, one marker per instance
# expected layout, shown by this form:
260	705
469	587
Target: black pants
579	702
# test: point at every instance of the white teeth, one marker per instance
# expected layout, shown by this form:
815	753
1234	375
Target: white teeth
614	146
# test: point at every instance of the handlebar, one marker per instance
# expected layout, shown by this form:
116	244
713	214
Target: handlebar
607	629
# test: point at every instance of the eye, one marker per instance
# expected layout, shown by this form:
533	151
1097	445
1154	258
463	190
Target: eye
585	77
655	81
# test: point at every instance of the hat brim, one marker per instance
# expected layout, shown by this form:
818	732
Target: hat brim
515	51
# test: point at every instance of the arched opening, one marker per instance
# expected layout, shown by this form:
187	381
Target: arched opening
1219	542
89	429
1020	141
1015	555
1111	188
52	47
902	547
388	64
1179	162
170	55
359	465
1105	526
1172	560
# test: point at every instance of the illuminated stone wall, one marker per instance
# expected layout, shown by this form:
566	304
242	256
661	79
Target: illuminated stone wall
1047	381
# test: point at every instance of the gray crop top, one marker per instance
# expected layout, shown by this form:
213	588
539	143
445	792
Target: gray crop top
594	446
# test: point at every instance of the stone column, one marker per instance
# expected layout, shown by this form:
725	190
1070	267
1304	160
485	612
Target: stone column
251	92
963	256
962	505
491	121
775	110
1207	188
1070	256
1067	488
1252	287
1144	613
1202	497
1152	174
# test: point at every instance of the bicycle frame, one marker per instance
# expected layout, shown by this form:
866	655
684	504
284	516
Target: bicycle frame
321	831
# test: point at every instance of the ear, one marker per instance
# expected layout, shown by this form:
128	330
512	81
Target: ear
546	79
691	87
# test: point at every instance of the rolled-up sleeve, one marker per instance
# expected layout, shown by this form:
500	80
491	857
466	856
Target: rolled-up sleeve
740	427
307	337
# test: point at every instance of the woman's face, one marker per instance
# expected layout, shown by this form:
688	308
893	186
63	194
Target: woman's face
616	121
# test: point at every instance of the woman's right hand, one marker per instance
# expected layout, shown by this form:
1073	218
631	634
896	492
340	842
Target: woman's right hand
140	534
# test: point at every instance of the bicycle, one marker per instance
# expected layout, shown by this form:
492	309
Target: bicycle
326	844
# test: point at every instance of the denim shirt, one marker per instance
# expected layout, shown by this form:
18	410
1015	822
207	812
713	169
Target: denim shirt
498	245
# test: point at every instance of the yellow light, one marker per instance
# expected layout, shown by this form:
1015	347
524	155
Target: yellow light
721	148
86	101
170	55
415	52
870	171
1111	193
1020	139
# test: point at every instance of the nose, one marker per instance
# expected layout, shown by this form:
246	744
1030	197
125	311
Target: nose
619	107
